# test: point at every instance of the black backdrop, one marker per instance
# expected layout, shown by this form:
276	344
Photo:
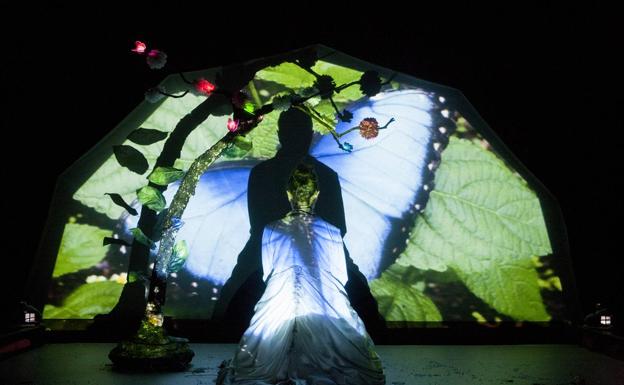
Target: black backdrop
547	79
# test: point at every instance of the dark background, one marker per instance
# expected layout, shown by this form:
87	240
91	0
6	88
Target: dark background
546	78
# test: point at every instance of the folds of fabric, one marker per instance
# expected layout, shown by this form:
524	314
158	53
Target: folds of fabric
304	329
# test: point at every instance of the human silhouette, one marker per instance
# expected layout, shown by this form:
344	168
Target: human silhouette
267	202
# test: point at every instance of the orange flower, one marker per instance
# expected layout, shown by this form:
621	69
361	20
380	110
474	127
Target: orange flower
369	128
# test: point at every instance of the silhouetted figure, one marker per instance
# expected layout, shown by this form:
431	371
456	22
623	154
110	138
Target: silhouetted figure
267	202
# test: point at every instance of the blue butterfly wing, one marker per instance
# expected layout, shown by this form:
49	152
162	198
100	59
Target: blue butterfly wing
384	178
216	220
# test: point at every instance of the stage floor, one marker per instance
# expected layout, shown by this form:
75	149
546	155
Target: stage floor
87	363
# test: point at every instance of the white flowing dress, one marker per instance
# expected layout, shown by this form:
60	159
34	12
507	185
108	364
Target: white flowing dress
304	330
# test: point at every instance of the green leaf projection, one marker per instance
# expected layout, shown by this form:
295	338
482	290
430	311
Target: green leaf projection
485	223
89	300
288	75
401	299
478	248
81	247
110	177
509	287
282	79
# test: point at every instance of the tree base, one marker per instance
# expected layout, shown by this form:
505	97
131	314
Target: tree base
152	350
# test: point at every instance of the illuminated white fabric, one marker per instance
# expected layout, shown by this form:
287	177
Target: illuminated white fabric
304	328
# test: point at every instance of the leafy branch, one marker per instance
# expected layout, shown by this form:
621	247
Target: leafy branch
224	96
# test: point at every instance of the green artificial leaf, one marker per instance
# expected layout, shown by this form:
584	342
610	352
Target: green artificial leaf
119	201
249	107
151	197
401	300
140	237
480	214
162	176
81	248
243	143
511	288
131	158
146	136
111	177
178	259
288	74
86	301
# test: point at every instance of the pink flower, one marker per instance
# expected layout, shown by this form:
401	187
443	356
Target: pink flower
139	47
156	59
204	87
232	125
369	128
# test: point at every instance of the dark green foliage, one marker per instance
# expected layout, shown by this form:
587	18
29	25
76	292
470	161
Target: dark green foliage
370	83
119	201
131	158
146	136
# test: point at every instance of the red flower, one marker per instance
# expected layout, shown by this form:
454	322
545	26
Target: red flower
204	87
139	47
369	128
232	125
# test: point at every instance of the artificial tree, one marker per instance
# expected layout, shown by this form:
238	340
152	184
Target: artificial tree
150	347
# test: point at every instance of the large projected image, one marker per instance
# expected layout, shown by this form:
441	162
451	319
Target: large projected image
439	223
